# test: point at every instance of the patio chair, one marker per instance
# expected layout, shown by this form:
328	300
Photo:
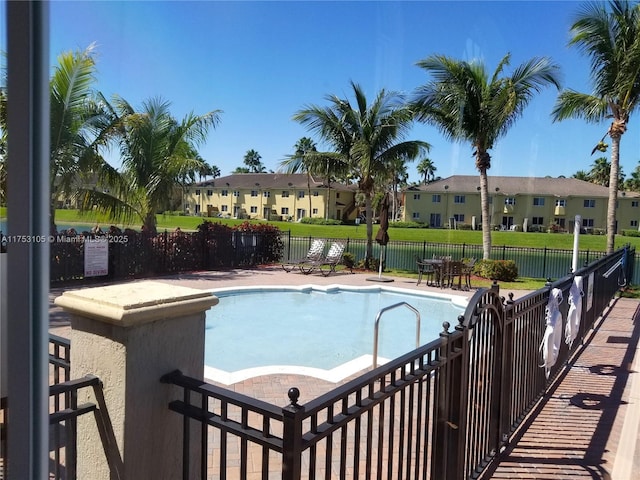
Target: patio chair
327	264
425	269
313	255
450	270
467	270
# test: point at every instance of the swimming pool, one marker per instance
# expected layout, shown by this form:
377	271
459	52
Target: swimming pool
325	332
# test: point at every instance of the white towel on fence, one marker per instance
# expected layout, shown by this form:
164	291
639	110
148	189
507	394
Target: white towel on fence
550	345
575	311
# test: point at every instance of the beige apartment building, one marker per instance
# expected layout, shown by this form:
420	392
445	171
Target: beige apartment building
270	196
523	203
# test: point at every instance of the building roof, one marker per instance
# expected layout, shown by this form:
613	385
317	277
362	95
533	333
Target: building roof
546	186
269	180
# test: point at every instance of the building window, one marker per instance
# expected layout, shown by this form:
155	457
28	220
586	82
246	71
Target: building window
633	223
224	208
416	196
254	193
458	217
284	211
537	221
561	202
415	215
209	193
198	191
458	199
538	201
589	203
236	193
225	193
337	194
315	193
300	193
634	203
254	209
314	211
436	198
266	194
285	194
587	222
509	201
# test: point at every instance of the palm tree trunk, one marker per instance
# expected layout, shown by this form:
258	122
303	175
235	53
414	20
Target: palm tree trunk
486	218
149	224
613	191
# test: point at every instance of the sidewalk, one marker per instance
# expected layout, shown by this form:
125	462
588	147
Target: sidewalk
588	424
586	427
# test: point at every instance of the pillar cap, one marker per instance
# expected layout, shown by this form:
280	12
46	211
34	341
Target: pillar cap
136	303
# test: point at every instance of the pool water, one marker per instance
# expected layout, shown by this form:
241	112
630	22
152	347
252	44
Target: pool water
317	328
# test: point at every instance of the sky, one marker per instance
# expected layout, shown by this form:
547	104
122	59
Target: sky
260	62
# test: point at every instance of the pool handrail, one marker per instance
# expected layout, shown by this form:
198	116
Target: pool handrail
377	325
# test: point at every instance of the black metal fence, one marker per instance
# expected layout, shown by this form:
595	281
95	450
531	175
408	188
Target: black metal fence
64	410
137	255
442	411
531	262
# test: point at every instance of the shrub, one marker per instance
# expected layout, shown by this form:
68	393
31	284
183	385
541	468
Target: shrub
631	233
408	225
320	221
348	259
501	270
464	226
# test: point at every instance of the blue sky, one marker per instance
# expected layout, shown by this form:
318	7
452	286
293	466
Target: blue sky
260	62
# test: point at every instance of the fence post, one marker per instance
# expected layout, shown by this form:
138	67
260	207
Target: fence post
292	437
447	456
506	361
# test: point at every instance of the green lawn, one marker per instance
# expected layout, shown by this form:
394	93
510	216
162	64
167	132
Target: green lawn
534	240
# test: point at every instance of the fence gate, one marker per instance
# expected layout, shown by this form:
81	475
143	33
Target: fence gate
473	388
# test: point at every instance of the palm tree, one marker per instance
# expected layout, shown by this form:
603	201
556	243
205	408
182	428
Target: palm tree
302	160
427	169
156	152
581	175
633	183
79	125
611	38
215	171
366	137
252	160
599	173
398	177
467	104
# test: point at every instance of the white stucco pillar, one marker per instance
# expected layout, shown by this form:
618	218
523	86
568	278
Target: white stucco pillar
129	336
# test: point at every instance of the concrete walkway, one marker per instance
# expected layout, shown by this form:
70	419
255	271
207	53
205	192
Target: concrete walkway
587	426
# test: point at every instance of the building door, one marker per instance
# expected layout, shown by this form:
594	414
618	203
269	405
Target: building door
435	220
266	211
300	213
507	222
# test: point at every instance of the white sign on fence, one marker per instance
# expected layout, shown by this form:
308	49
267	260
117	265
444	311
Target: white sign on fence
96	257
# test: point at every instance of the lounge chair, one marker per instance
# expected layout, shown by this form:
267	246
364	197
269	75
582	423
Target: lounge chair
313	255
327	264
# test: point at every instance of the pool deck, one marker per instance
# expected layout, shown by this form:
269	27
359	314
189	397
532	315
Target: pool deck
586	427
